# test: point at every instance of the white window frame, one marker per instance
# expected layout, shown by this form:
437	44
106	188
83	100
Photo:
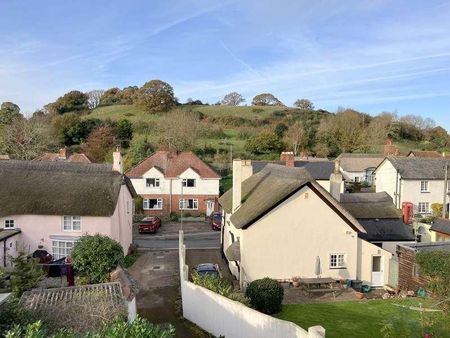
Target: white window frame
182	204
357	179
423	207
62	248
9	224
71	223
338	261
146	204
185	181
156	184
424	186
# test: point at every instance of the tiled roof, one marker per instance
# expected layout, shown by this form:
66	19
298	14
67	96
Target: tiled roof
425	153
59	188
420	168
54	157
173	165
441	225
319	170
359	162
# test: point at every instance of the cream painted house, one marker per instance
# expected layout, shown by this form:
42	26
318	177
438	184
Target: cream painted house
279	222
54	203
417	180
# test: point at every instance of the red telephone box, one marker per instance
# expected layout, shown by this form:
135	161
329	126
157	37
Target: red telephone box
408	212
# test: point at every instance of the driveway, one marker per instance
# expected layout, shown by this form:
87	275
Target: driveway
157	275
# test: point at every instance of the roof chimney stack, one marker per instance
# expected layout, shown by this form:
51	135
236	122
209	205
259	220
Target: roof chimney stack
237	184
117	160
288	158
389	148
336	181
63	153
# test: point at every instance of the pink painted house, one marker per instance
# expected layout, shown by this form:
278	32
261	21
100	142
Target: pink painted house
54	203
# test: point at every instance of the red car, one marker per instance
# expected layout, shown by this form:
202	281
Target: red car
216	221
149	225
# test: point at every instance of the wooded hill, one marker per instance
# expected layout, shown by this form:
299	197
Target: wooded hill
144	119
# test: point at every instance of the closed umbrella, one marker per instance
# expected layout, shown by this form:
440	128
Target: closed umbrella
318	269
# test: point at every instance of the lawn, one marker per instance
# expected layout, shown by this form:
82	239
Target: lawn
358	318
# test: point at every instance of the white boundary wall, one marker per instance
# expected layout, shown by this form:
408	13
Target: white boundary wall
222	316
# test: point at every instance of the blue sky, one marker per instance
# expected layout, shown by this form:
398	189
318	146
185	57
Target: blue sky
373	56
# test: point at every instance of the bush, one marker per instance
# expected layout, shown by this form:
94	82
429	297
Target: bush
138	328
174	217
129	260
96	256
265	295
264	142
26	275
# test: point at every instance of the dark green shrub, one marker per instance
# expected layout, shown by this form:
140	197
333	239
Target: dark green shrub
96	256
265	295
26	275
174	217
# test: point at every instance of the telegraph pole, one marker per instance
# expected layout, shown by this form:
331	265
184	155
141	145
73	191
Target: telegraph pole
444	204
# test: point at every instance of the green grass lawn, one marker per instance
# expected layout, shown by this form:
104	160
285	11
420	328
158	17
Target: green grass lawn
356	318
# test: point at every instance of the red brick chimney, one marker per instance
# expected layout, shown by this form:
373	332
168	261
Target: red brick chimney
288	158
64	153
389	148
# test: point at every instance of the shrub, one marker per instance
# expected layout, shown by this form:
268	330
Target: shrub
264	142
129	260
26	275
174	217
96	256
138	328
265	295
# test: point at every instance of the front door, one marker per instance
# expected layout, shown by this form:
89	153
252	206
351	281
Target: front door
209	207
377	271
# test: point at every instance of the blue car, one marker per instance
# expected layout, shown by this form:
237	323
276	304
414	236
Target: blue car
208	269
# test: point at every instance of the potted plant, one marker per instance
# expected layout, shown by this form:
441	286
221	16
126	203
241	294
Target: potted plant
295	282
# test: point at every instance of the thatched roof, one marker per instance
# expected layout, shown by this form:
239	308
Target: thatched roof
370	205
378	215
420	168
359	162
426	153
270	187
59	188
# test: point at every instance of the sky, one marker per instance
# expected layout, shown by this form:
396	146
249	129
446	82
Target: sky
373	55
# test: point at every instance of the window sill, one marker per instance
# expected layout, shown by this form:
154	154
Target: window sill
424	192
338	268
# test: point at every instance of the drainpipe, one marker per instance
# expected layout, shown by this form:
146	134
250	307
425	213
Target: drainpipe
170	197
444	202
396	190
4	253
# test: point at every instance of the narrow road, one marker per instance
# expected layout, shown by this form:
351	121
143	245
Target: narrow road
201	240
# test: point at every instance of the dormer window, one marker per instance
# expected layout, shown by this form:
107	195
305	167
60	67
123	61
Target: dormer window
188	182
152	182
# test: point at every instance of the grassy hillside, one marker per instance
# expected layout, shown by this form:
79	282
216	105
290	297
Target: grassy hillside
231	119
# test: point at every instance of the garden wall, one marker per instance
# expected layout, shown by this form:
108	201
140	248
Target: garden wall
221	316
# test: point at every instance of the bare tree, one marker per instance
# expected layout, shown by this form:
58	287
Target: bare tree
94	97
232	99
180	130
24	139
296	137
304	104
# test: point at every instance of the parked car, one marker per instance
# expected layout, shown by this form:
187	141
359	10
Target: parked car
216	221
149	225
209	269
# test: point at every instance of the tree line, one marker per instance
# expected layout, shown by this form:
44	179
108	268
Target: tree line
65	122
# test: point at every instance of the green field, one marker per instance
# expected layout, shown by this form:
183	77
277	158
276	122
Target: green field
367	318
